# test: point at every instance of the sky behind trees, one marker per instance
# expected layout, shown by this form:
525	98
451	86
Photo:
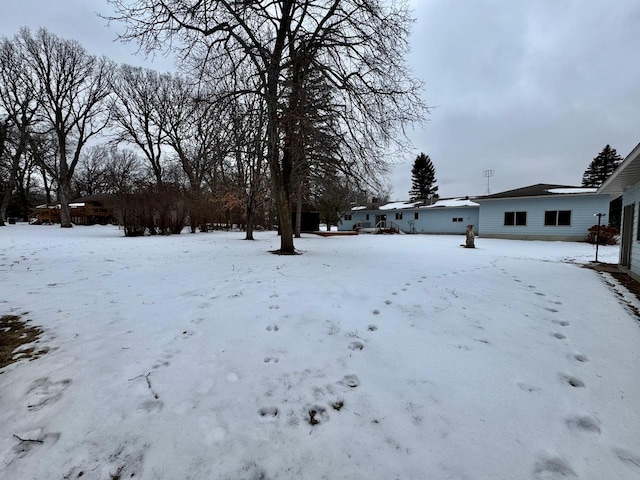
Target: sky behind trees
532	90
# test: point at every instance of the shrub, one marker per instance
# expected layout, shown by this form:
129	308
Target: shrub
608	235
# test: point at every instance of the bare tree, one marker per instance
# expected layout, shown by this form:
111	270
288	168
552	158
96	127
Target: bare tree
138	115
357	45
75	87
18	105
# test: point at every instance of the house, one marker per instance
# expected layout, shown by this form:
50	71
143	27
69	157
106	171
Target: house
625	182
541	212
536	212
447	216
84	211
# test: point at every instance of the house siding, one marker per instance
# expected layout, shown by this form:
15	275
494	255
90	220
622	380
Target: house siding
632	197
430	220
582	207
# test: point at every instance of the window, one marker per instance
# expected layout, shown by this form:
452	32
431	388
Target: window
555	218
399	216
415	216
457	219
347	217
515	218
367	217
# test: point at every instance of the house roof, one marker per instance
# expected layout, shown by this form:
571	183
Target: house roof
539	190
627	174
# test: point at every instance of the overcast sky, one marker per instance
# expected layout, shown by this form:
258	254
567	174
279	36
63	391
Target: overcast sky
532	90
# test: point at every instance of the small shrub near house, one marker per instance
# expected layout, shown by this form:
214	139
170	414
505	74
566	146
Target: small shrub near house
608	235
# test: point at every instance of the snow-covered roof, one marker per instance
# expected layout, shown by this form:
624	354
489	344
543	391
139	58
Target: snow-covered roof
573	190
359	208
453	202
398	205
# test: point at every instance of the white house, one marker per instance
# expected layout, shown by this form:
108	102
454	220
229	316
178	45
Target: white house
541	212
450	216
625	182
536	212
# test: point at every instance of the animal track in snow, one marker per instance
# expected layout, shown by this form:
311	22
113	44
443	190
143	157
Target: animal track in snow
387	302
571	380
550	468
356	346
372	328
274	307
581	357
525	387
540	294
376	312
559	336
627	457
268	412
584	423
562	323
271	360
552	310
272	328
351	381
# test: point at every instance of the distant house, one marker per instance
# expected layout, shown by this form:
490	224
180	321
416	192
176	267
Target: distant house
541	212
625	182
447	216
84	211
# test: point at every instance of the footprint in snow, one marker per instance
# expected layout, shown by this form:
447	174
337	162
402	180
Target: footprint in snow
272	328
584	423
627	457
552	310
356	346
271	360
43	392
559	336
351	381
550	468
372	328
525	387
562	323
580	357
387	302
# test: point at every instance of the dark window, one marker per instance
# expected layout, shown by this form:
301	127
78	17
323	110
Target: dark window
415	216
454	219
460	219
557	217
399	216
564	217
367	217
515	218
509	218
347	217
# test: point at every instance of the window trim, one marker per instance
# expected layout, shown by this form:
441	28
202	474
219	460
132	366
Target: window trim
515	214
556	220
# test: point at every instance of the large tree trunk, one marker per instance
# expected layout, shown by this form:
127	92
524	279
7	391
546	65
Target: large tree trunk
64	197
299	211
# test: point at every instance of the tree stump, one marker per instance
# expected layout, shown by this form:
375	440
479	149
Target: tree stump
470	237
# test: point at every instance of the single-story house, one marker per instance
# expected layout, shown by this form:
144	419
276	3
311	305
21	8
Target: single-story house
625	182
449	216
536	212
84	211
541	212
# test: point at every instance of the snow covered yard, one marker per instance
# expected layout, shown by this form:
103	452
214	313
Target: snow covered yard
370	357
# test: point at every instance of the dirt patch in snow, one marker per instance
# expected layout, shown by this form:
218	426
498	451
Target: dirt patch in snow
14	334
626	280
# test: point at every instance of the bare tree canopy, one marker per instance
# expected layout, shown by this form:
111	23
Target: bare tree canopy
354	48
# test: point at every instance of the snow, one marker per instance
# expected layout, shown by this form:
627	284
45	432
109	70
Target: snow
572	190
454	202
201	357
398	205
359	208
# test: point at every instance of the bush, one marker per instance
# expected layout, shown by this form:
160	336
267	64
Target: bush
608	235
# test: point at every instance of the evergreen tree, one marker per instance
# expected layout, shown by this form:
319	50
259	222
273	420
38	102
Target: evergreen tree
423	179
601	167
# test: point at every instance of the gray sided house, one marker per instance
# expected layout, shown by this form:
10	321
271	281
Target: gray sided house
541	212
625	182
443	217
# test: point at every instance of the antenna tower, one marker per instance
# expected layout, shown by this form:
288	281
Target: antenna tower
487	174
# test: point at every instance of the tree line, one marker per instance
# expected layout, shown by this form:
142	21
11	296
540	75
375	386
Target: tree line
276	105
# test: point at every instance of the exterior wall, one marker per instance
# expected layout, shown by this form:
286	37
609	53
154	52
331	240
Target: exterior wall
430	220
439	220
582	209
632	197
